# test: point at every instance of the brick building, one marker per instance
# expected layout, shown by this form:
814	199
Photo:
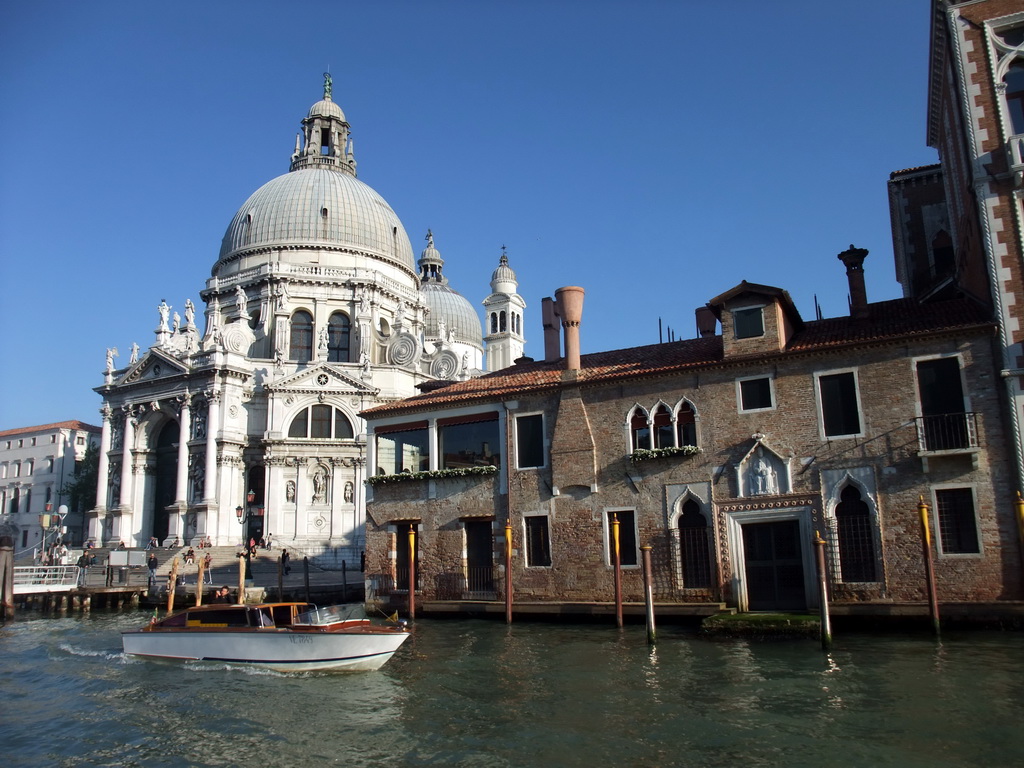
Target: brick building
725	453
957	225
728	453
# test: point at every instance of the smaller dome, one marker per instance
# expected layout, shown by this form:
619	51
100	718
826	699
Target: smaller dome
459	316
326	108
503	279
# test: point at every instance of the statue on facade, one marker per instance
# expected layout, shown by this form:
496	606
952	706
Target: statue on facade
349	489
111	354
281	296
241	301
198	481
763	477
322	340
190	313
176	324
165	310
364	302
442	329
289	492
320	487
135	354
199	425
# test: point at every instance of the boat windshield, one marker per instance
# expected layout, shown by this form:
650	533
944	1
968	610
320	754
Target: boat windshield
331	614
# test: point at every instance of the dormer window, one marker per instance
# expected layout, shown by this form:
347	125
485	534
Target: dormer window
748	322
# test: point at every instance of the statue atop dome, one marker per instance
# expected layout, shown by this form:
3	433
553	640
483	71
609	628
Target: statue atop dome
328	85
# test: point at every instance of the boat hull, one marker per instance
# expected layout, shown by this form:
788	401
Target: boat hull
282	650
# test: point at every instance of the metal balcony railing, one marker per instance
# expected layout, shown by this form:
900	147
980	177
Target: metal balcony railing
947	432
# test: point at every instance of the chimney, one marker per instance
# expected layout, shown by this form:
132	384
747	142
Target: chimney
706	321
854	261
570	309
552	344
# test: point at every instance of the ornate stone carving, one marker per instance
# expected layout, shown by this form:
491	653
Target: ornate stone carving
320	486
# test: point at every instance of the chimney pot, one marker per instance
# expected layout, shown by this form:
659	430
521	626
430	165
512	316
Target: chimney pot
570	309
853	258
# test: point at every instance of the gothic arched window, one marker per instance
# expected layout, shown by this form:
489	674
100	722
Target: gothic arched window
686	425
856	537
694	547
640	432
1014	80
339	332
301	341
663	432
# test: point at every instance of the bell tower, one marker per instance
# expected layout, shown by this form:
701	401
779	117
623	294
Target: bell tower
503	333
325	141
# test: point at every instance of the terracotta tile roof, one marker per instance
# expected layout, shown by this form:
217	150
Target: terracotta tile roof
896	319
933	168
79	425
887	320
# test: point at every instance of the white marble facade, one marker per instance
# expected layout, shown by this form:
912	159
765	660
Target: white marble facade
314	312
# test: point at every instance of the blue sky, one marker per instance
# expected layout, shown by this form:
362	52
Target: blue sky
655	153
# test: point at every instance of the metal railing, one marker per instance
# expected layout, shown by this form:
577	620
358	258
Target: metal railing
33	579
947	432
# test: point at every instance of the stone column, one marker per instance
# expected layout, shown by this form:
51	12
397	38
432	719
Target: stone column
125	502
212	428
103	470
432	446
184	424
359	504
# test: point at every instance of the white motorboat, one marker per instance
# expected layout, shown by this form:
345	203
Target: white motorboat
286	637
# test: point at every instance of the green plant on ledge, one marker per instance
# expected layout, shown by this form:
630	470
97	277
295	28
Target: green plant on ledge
433	475
644	454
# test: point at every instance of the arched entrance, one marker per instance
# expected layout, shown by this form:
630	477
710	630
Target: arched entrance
165	478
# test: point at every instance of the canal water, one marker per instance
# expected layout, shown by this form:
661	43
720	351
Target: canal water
479	693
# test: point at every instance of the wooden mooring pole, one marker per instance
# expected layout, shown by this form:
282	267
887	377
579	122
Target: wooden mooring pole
1020	526
649	594
241	579
305	576
617	563
172	582
199	583
7	577
412	571
929	568
508	570
826	622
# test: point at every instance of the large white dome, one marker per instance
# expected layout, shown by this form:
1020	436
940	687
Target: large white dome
317	207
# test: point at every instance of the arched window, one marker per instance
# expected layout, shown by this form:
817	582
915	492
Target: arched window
321	422
694	547
301	342
639	431
1014	80
856	537
339	332
501	321
664	436
686	425
494	322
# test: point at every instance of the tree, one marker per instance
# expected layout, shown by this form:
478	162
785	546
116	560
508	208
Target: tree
81	491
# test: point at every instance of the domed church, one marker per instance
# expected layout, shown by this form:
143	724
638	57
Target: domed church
315	311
